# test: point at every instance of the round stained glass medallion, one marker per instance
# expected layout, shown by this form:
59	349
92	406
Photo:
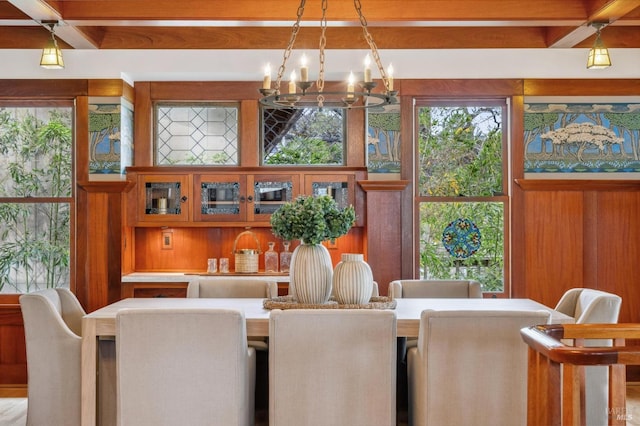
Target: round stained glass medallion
461	238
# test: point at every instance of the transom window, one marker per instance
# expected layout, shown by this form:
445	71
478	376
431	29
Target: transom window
306	136
196	134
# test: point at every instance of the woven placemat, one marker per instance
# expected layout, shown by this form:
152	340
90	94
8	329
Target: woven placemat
290	302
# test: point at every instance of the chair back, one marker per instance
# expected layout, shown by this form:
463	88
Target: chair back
589	306
184	366
52	326
470	368
249	288
332	367
457	289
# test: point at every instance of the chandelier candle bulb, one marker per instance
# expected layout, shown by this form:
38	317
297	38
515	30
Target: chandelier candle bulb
350	85
390	77
304	70
292	83
367	69
266	82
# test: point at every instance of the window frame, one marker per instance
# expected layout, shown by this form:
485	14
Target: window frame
504	197
71	199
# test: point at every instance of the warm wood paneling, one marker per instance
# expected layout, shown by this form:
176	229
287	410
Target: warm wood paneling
384	239
192	247
618	249
13	355
553	244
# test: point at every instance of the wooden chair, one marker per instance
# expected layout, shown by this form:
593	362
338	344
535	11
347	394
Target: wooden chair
332	367
184	367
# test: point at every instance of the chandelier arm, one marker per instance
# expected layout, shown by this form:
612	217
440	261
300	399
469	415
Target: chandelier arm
372	44
287	52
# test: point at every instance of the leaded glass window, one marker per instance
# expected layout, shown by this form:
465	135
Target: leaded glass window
196	134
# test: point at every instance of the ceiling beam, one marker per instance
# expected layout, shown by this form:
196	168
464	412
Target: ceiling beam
40	10
607	13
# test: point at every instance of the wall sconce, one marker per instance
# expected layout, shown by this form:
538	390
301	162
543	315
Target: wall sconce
599	54
51	54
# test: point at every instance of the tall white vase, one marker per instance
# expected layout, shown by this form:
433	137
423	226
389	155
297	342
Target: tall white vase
311	274
352	280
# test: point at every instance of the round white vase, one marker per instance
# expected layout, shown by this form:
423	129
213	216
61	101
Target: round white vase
352	280
311	274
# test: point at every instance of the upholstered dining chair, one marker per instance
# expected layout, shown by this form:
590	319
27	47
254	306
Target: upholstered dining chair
217	288
435	289
241	288
589	306
332	367
470	368
184	367
53	333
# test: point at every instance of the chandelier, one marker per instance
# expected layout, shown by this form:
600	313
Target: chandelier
300	91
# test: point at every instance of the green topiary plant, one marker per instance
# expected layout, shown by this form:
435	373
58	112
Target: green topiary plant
312	220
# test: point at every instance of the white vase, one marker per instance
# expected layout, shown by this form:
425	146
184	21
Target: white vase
311	274
352	280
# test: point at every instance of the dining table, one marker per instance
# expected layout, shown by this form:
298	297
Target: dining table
102	323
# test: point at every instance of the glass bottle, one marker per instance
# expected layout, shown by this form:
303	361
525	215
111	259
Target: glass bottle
271	258
285	257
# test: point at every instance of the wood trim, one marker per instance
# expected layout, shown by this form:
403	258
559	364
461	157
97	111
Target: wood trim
577	185
143	128
106	186
581	87
383	185
442	88
111	87
13	391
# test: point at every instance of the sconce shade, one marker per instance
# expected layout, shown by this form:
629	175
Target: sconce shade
51	55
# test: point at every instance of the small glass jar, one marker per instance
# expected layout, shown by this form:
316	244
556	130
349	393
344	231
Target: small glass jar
271	258
285	257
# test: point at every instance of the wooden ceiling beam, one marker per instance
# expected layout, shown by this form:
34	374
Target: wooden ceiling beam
285	10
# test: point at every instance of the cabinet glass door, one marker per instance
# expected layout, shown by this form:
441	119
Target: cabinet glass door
340	187
220	198
270	192
339	191
163	198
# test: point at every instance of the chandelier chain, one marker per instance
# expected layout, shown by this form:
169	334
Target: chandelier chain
371	42
323	44
294	33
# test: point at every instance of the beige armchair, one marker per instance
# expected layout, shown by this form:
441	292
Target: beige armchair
332	367
184	367
435	288
589	306
53	329
470	368
232	288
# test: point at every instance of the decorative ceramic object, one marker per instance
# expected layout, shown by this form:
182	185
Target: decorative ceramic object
311	220
311	273
352	280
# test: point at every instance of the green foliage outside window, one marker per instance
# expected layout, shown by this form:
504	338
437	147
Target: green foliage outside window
36	162
460	155
309	136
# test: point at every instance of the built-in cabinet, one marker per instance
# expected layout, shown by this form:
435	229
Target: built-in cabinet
207	197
